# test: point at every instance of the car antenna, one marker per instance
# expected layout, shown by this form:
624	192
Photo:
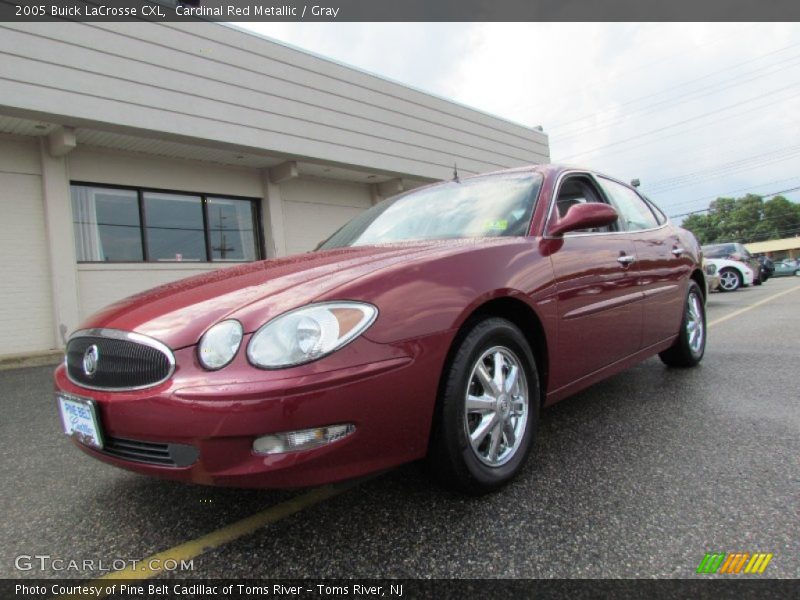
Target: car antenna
455	173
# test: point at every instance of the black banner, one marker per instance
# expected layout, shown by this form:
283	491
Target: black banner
400	10
225	589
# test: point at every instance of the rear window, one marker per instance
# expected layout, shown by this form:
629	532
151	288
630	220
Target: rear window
719	250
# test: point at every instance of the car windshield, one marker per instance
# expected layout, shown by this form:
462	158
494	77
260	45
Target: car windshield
719	250
490	206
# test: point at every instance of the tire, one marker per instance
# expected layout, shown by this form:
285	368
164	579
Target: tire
690	345
730	280
459	455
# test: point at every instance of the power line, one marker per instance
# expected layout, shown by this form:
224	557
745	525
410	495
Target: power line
759	164
770	195
771	221
766	236
677	181
637	68
689	120
690	96
677	133
725	194
672	88
722	146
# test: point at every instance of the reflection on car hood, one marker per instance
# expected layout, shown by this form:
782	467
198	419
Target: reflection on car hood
178	313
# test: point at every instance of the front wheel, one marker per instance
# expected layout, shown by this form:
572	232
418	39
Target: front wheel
489	409
690	345
729	280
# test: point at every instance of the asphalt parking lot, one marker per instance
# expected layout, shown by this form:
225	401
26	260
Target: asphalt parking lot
636	477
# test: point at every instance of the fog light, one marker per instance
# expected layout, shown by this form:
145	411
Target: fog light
304	439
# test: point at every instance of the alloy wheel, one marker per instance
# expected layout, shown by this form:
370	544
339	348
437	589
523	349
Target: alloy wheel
695	325
728	280
496	401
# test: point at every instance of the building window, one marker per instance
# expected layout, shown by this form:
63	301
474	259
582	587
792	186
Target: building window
133	225
230	230
174	227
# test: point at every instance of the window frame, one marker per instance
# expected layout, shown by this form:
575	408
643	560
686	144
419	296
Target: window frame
661	216
590	180
258	228
641	198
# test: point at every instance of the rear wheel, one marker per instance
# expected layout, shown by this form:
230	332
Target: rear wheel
690	345
730	280
488	411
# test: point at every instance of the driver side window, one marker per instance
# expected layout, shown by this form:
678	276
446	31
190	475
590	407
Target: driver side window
634	212
579	190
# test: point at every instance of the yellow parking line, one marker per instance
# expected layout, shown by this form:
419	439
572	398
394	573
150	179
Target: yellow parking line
198	546
736	313
153	565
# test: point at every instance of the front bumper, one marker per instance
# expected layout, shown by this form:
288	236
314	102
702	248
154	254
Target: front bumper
387	391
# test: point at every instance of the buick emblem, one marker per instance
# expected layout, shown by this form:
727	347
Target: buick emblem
90	358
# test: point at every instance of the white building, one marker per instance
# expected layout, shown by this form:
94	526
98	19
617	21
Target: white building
133	154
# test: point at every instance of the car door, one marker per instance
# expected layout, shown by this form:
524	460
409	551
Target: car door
663	263
750	260
599	303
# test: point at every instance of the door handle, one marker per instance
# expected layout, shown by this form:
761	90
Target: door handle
626	259
677	250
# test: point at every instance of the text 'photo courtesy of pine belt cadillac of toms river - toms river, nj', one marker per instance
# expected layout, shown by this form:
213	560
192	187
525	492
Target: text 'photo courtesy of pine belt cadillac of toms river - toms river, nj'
434	325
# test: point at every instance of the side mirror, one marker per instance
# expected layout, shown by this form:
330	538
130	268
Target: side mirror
584	216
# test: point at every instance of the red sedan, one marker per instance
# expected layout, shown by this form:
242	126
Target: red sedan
436	324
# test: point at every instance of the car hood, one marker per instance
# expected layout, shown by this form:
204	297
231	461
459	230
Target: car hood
178	313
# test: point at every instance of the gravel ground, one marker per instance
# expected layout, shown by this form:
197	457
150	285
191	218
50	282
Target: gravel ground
637	477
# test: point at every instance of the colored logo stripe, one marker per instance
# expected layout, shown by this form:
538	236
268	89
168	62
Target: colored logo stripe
758	563
710	563
734	562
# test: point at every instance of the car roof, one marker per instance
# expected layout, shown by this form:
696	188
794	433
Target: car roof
547	169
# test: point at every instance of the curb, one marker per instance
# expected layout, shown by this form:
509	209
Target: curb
31	359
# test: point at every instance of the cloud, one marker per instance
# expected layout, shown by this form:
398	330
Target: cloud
656	101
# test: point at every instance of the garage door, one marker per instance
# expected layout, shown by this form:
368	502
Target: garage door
26	316
313	210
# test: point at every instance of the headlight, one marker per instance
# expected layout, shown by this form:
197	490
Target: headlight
219	344
309	333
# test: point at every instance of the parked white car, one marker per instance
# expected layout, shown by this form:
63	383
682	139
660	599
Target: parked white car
732	273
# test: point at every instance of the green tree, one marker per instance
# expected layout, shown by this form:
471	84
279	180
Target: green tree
702	227
781	218
745	219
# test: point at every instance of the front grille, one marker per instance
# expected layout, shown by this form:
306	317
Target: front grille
152	453
108	359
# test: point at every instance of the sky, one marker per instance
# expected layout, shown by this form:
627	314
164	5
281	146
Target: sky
693	110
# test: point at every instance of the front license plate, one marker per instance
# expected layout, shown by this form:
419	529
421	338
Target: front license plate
79	417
